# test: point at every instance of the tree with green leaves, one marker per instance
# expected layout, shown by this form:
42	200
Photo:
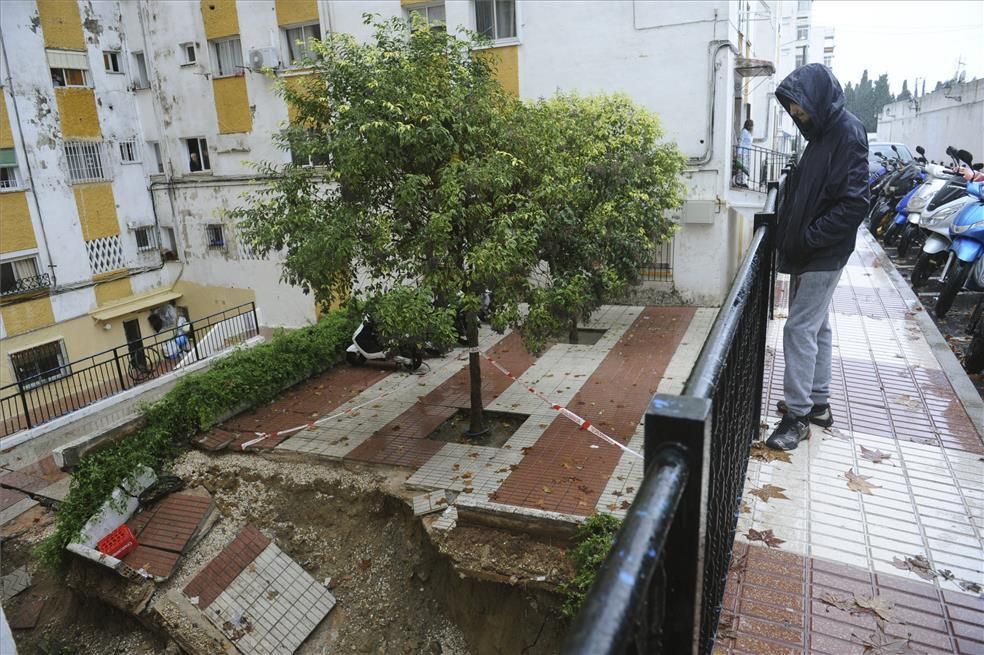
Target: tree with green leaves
904	94
438	186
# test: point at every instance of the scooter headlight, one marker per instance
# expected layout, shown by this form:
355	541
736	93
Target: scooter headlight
940	216
960	229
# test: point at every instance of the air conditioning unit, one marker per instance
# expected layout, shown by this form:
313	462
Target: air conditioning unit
263	58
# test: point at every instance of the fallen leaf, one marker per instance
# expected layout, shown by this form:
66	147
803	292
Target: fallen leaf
365	564
625	505
629	490
834	432
763	453
972	587
765	536
947	574
917	564
883	607
874	456
745	509
840	602
738	564
467	490
908	401
878	643
770	491
725	628
547	490
611	507
860	483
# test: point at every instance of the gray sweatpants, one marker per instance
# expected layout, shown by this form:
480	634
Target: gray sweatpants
807	340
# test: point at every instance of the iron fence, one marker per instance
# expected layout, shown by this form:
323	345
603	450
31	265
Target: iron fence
661	587
753	167
61	388
660	264
25	284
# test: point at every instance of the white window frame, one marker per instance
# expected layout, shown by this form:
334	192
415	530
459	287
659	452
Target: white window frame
185	61
86	81
496	39
828	60
155	147
87	161
64	368
111	58
211	231
129	152
14	181
140	73
802	32
227	57
38	272
800	50
149	236
202	147
425	11
289	60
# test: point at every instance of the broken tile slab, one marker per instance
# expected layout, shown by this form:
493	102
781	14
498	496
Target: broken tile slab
159	563
435	501
56	492
14	582
219	573
26	617
447	520
171	523
10	497
18	508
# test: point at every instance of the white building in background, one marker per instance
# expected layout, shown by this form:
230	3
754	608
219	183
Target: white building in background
128	126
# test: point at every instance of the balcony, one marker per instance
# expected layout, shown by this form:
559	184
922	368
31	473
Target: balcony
25	285
752	167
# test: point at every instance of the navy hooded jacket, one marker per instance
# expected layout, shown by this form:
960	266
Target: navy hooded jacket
826	196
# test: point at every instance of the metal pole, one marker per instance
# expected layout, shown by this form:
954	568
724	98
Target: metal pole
119	369
27	408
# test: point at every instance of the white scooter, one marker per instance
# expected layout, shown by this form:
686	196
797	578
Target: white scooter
366	346
936	222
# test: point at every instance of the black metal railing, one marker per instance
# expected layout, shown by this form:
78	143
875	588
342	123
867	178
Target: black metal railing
25	284
61	388
753	167
660	264
661	587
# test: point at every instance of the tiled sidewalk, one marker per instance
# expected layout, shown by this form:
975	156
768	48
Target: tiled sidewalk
912	540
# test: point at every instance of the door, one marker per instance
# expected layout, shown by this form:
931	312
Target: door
134	343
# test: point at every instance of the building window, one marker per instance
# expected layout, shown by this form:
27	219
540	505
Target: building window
197	155
801	56
69	77
227	57
188	54
86	162
129	152
156	147
140	78
111	60
146	239
41	364
828	61
496	19
20	275
9	178
433	14
170	244
213	236
299	40
802	32
803	6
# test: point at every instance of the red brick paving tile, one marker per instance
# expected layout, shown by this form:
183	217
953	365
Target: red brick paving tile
10	497
218	574
173	521
752	644
965	614
35	476
629	374
965	647
160	563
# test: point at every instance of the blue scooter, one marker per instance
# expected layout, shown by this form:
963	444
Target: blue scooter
967	248
894	231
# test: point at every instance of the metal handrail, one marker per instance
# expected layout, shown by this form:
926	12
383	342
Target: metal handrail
25	284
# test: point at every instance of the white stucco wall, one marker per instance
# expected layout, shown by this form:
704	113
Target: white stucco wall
939	121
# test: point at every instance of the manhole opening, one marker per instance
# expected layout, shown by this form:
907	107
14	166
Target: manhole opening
585	336
501	426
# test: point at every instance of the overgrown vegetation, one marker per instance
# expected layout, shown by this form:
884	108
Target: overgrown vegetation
593	540
245	379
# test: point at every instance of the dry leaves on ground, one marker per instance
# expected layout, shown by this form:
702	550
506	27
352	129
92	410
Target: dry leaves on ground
874	456
860	483
840	602
878	643
765	536
917	564
769	491
908	401
883	607
763	453
726	628
834	432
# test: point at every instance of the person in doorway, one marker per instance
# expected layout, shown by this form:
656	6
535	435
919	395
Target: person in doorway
825	200
744	154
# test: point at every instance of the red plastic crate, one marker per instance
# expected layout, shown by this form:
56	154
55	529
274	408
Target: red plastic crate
118	543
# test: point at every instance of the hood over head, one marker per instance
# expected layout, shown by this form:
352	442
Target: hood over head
814	88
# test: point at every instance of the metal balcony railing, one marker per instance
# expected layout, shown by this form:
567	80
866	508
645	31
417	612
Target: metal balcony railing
753	167
26	284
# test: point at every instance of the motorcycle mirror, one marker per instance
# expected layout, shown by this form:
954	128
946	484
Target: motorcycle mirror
965	156
979	166
920	150
894	149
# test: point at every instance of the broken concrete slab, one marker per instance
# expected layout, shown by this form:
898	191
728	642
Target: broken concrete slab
26	616
435	501
447	520
18	508
14	582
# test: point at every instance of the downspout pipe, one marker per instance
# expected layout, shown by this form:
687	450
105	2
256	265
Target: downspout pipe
714	47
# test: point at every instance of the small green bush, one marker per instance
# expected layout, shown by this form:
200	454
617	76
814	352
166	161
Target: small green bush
593	540
245	378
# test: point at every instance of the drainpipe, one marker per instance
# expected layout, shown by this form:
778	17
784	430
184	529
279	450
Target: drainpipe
27	161
714	47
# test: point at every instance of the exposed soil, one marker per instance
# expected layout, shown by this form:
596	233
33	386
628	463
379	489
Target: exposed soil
500	426
954	325
585	336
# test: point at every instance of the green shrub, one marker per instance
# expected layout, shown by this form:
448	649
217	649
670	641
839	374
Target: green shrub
244	379
593	540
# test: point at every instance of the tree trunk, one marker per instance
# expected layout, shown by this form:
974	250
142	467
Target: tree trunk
573	335
477	424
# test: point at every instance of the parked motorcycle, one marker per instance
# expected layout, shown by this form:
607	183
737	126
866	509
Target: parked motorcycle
367	346
974	354
967	247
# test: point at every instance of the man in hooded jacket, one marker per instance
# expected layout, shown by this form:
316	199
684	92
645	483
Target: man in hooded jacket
825	200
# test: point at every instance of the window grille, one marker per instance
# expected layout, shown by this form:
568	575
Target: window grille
227	57
35	366
105	254
146	239
86	161
213	236
129	152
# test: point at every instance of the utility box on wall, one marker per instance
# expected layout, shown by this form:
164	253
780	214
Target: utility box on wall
696	212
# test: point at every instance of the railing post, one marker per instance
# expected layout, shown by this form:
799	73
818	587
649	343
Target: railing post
687	420
119	369
27	408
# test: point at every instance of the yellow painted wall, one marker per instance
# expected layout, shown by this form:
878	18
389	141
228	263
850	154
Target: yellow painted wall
115	290
6	135
97	210
295	83
204	300
16	232
77	110
28	315
506	61
290	12
220	17
60	24
232	104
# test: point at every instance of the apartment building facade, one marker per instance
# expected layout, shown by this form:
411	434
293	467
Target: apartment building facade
128	127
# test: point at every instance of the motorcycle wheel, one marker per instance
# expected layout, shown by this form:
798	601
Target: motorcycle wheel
974	355
416	360
954	283
920	272
891	236
355	359
905	240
